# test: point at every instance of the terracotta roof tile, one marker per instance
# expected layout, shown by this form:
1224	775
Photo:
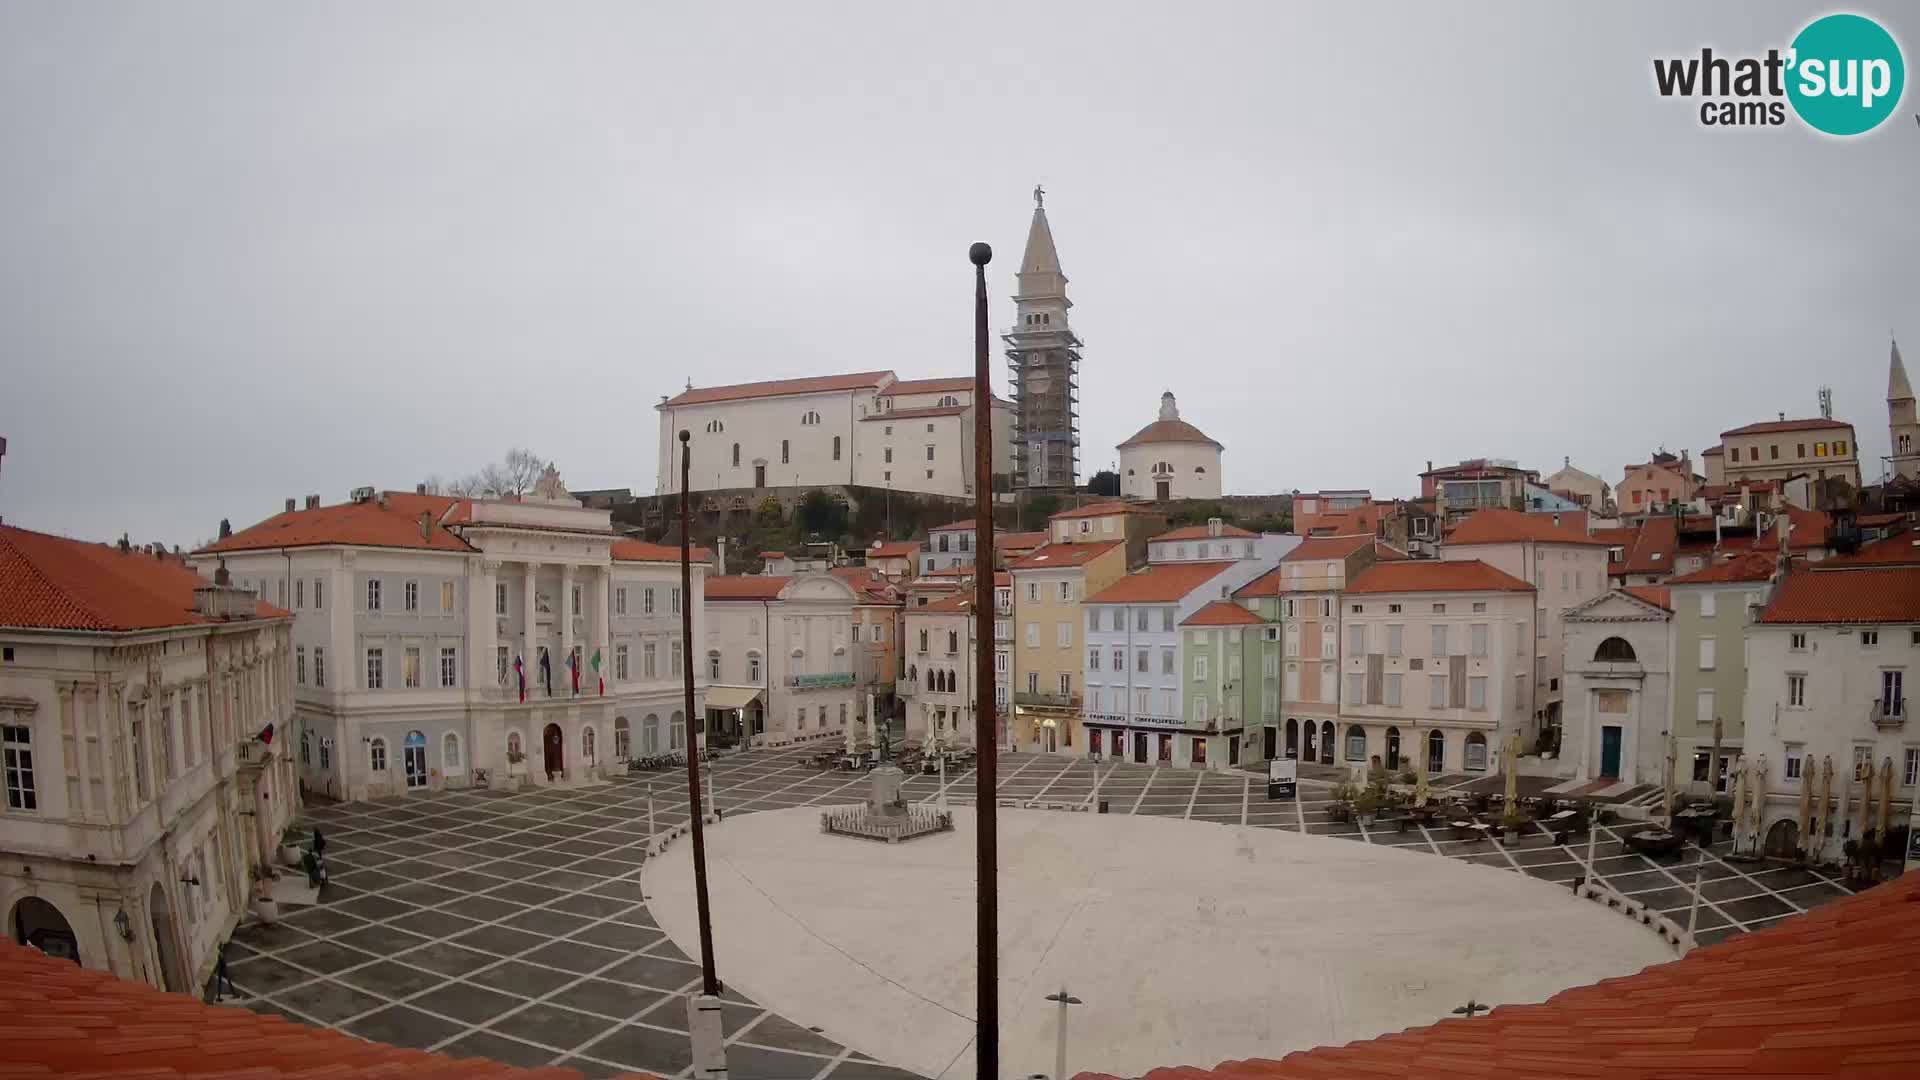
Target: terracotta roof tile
363	524
1496	525
1900	549
1057	556
746	586
1869	595
1102	509
1748	566
1767	426
960	385
1202	532
966	524
1388	553
1652	594
819	384
1019	541
1430	575
1169	431
958	604
1159	583
53	583
1267	584
1653	550
894	549
1323	548
1222	613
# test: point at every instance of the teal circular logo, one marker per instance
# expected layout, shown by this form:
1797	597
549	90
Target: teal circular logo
1845	74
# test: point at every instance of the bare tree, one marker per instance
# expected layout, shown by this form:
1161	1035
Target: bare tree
513	476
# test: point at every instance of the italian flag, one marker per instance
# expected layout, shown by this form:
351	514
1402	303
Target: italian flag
596	673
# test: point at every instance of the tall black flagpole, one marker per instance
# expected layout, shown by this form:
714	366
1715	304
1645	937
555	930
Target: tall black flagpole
709	980
987	999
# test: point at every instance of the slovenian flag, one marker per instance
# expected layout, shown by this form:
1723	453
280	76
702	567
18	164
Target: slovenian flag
546	671
596	673
573	669
520	674
266	735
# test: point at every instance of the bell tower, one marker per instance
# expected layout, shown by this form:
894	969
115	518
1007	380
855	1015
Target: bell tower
1903	430
1043	366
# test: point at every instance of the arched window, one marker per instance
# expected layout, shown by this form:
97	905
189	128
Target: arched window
1476	752
306	747
622	739
1356	743
753	666
1199	468
949	401
1393	748
450	759
377	755
1293	738
650	734
1436	751
1615	649
586	744
836	448
715	426
677	731
713	663
736	455
1326	742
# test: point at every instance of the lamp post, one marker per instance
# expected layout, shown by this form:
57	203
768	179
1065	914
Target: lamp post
1063	999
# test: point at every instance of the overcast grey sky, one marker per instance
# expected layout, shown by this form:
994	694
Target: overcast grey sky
251	251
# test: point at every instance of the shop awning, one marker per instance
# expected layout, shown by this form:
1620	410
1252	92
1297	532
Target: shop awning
732	697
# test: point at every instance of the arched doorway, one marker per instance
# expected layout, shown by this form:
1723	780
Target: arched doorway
554	745
40	924
677	730
1393	749
1293	738
164	942
650	734
1783	839
1436	751
1326	742
1476	753
413	754
622	739
1307	732
1051	736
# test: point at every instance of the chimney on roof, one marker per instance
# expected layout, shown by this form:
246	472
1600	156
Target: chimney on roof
720	555
1783	416
220	575
1429	464
419	489
313	502
1213	526
383	500
1784	562
126	547
226	530
426	525
289	506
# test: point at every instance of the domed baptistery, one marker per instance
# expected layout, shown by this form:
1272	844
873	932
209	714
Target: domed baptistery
1170	459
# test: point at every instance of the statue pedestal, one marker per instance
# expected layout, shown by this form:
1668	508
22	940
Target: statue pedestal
884	799
886	816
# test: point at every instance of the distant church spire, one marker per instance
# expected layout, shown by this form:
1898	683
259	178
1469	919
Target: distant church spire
1043	363
1898	388
1903	427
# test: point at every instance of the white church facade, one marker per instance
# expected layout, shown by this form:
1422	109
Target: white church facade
1169	459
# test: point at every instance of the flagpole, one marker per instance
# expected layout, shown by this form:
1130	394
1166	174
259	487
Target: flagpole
708	980
987	943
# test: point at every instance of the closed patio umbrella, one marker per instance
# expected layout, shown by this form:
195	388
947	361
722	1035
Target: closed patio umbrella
1843	808
1739	799
1673	752
1421	792
1886	795
1866	801
1759	798
1823	808
1513	777
1807	783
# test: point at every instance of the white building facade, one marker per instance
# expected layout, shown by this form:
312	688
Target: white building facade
140	794
416	618
939	684
781	648
1619	687
1169	459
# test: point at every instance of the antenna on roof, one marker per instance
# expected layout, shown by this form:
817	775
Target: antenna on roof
1826	403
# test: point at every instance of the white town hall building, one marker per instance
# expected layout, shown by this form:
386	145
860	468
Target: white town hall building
868	428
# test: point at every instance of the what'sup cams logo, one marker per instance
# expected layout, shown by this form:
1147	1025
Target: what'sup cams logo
1843	75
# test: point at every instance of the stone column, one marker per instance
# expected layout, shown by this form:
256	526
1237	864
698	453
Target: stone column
483	632
529	654
565	615
599	623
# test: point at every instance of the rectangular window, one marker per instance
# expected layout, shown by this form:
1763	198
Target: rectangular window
449	666
929	450
1356	688
410	666
1392	688
1540	622
1293	639
1329	644
673	598
1479	639
1439	609
1797	641
649	660
1119	660
376	669
1439	639
573	607
1166	660
1910	773
300	665
1706	604
300	593
1706	654
620	601
1519	638
163	739
1033	635
501	661
411	596
1066	683
1437	691
1796	691
1033	682
1703	708
1290	686
1093	659
1066	591
373	594
1869	639
1033	591
1329	685
1119	619
713	669
1356	639
1093	619
500	598
1199	667
1140	617
1796	758
622	657
1288	605
1394	633
786	456
1477	693
1166	620
674	660
1063	634
646	601
446	596
320	666
1479	607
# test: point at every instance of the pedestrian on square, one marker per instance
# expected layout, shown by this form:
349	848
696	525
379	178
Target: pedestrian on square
319	842
222	984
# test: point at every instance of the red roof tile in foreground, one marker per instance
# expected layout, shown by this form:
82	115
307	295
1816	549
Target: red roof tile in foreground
1828	993
1497	525
1432	575
1159	583
1063	556
53	583
746	586
963	525
819	384
1656	595
362	524
60	1019
1322	548
1900	549
1222	613
1102	509
1204	532
1871	595
1748	566
1768	426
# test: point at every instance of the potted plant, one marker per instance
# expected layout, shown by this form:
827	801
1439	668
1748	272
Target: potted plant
1510	822
290	847
1342	806
1368	804
265	907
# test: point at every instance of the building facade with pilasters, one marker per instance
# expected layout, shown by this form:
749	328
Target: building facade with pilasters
415	617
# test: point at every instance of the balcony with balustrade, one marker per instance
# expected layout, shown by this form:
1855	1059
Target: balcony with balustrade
1888	714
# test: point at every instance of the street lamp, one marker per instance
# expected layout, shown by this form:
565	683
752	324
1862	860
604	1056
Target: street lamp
123	925
1063	999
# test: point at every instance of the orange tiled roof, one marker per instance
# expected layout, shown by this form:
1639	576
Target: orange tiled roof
1159	583
1712	451
1200	532
53	583
1222	613
1321	548
1497	525
1267	584
1002	579
896	549
1656	595
746	586
1432	575
1388	553
1788	425
966	524
646	551
1056	556
1102	509
1874	595
1652	551
1748	566
1900	549
1828	993
1618	536
819	384
366	524
950	571
959	385
1019	541
1169	431
957	604
60	1019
